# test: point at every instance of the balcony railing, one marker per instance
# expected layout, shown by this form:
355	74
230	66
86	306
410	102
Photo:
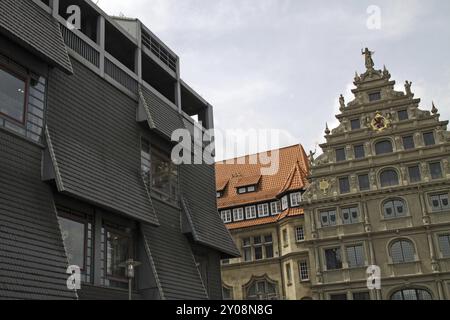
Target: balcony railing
80	46
159	51
127	80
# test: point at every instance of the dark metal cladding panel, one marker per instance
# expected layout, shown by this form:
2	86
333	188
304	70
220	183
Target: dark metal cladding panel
32	257
96	141
29	25
200	197
88	292
165	118
172	256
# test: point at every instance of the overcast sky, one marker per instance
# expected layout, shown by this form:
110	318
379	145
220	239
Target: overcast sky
281	64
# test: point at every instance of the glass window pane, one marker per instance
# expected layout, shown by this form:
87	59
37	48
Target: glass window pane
403	115
356	124
389	178
383	147
436	170
344	185
444	244
408	143
361	296
428	139
340	155
333	259
364	183
359	151
74	237
12	96
414	174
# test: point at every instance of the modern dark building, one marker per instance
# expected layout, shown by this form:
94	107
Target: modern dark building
86	177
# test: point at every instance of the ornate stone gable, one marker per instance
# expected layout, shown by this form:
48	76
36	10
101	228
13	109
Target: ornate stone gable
376	113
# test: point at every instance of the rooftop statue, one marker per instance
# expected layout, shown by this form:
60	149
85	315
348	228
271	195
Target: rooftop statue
368	56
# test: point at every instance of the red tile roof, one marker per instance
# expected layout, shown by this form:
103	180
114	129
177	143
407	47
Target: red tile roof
291	175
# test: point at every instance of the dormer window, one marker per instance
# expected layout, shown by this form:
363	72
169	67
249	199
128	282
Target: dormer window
284	203
296	198
243	190
375	96
219	194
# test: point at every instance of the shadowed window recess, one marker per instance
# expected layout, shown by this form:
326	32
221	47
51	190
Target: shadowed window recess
394	208
402	251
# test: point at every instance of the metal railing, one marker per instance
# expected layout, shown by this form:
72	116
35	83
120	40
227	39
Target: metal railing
120	76
80	46
159	51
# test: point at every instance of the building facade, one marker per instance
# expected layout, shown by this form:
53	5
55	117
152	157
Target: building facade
86	177
263	215
379	197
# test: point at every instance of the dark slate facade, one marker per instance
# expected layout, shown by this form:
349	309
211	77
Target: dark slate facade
74	189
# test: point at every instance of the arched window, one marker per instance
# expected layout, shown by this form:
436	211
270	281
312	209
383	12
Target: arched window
402	251
411	294
394	208
383	147
261	289
227	292
389	178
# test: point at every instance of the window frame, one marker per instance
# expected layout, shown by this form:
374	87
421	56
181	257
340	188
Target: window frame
362	258
340	157
303	270
404	259
236	217
426	142
347	182
251	209
328	213
351	219
389	185
338	258
265	210
295	199
441	173
440	198
359	147
380	142
284	203
376	94
395	214
405	112
228	216
368	182
405	141
444	255
354	121
300	236
277	206
26	80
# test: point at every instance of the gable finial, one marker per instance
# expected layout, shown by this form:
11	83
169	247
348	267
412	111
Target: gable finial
327	130
434	110
368	57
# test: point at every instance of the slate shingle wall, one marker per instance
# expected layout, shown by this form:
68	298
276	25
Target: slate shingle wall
96	142
24	21
32	257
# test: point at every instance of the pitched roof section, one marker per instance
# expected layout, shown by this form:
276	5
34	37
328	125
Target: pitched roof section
248	181
292	168
91	146
171	257
291	212
296	180
24	22
221	185
160	116
200	203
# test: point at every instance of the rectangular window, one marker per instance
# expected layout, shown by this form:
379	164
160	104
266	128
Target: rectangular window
359	151
226	216
246	249
328	218
435	170
365	295
408	143
263	210
344	185
242	190
350	215
355	124
333	259
364	183
268	246
288	273
119	247
284	203
296	198
159	172
444	244
375	96
340	155
218	195
300	234
285	237
13	92
258	252
355	256
303	269
414	174
338	296
250	212
403	115
428	139
275	207
238	214
77	236
440	202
